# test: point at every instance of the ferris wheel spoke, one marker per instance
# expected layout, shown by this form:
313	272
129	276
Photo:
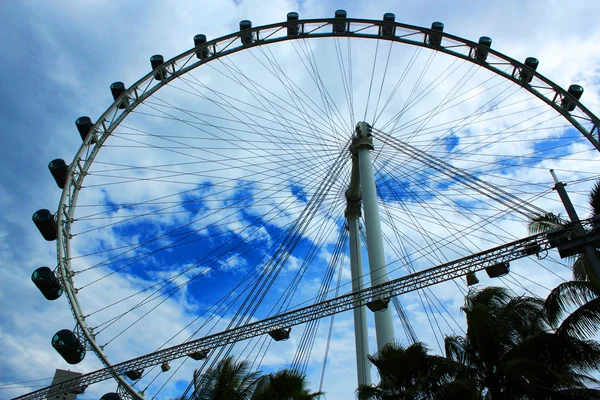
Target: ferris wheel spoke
228	186
406	106
383	80
317	116
345	69
186	235
402	251
338	124
145	301
405	73
257	94
310	110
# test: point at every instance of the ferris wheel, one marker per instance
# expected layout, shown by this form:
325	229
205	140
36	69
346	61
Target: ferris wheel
216	190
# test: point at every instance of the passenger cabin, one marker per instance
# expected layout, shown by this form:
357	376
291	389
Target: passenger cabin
340	25
280	334
481	52
117	89
574	92
68	345
60	171
435	37
156	62
388	28
529	66
47	283
202	52
245	32
84	127
292	28
44	221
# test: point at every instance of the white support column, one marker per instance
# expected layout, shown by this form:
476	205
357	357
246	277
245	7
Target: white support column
361	334
363	145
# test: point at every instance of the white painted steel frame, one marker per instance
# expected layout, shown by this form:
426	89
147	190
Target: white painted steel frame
361	333
384	325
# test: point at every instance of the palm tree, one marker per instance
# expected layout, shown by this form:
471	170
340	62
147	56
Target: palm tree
284	385
511	352
228	380
410	374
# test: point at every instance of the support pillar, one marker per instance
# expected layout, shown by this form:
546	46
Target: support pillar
361	333
363	145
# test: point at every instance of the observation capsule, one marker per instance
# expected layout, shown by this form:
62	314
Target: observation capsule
202	52
117	89
156	61
245	36
84	127
530	65
388	28
435	37
111	396
60	171
340	25
68	346
47	283
44	221
567	102
481	53
293	29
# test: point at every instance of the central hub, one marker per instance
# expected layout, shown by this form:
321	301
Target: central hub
363	138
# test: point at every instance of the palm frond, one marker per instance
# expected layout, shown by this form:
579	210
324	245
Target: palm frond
566	296
366	392
459	389
525	315
594	199
459	351
584	322
580	268
543	222
229	379
553	360
581	394
491	297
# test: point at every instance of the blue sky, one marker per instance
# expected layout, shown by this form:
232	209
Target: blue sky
58	60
